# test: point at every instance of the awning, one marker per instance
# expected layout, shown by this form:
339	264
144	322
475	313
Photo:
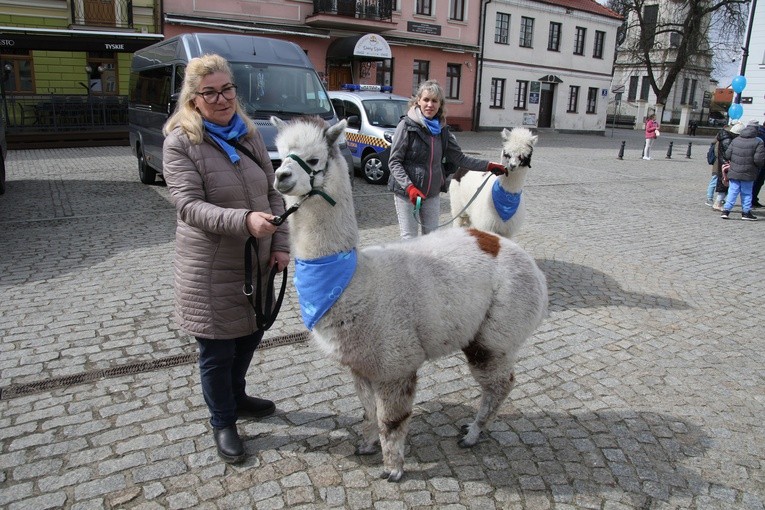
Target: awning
74	40
550	78
359	47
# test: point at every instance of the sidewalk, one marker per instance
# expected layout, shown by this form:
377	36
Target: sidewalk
643	389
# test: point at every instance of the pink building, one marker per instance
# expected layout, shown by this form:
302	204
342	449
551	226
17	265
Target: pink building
385	42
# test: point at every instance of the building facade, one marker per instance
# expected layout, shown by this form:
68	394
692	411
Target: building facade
690	96
546	64
753	95
66	63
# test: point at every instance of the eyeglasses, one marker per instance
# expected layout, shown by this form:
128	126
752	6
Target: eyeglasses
211	96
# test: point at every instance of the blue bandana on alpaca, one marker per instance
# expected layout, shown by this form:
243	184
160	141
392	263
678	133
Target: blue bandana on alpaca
320	282
505	203
221	134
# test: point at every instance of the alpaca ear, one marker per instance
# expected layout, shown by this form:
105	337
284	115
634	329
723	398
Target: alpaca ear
276	121
505	133
534	140
334	132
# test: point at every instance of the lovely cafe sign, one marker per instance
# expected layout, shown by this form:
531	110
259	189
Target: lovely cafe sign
372	45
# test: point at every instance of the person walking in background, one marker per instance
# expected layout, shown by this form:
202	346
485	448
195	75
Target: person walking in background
222	197
651	133
723	139
760	180
746	155
416	160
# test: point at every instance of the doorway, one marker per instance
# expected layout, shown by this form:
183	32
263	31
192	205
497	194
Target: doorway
339	75
546	96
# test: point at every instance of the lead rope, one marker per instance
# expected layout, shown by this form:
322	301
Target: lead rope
265	314
418	204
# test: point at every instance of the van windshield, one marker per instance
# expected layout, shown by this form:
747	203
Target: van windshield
266	90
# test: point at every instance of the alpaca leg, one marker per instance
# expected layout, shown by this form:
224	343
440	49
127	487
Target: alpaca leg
495	374
369	430
394	404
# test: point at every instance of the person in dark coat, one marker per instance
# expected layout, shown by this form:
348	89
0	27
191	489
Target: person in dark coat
760	180
723	139
746	155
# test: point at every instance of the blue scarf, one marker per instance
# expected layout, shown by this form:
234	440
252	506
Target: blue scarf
505	203
320	282
222	134
433	125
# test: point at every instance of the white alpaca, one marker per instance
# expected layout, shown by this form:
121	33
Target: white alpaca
507	217
408	301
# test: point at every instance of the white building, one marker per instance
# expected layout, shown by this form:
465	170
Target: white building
546	64
686	100
755	68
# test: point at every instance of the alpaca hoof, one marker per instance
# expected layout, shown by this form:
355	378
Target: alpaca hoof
464	443
392	476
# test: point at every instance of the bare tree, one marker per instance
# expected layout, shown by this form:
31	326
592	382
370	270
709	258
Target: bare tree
670	36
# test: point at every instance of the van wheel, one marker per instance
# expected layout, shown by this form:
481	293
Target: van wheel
373	169
145	172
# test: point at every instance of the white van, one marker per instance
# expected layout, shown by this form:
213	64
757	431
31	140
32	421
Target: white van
273	77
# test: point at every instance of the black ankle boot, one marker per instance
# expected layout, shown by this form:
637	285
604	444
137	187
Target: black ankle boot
254	407
230	447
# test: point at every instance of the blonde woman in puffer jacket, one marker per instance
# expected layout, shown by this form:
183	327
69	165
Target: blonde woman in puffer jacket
222	197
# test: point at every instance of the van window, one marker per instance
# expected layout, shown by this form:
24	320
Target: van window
151	87
265	90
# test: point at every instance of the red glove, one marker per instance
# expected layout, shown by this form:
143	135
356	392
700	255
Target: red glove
496	169
414	193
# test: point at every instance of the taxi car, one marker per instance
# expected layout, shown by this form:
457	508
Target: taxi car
372	112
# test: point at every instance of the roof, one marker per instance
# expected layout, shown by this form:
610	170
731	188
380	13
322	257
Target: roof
585	5
345	94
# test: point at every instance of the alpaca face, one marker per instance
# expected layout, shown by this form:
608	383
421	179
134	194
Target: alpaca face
305	147
517	148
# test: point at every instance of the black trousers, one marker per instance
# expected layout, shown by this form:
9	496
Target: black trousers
758	182
223	367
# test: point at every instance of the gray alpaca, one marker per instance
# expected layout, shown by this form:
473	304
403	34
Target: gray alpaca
407	301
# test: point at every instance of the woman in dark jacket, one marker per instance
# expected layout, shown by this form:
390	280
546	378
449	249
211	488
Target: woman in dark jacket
746	155
416	161
724	138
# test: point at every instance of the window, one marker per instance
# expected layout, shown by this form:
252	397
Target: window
645	87
527	32
521	92
385	72
453	75
692	99
592	99
632	93
650	18
553	39
674	40
600	39
18	77
424	7
497	93
457	10
581	32
102	72
684	95
151	87
573	98
502	32
420	74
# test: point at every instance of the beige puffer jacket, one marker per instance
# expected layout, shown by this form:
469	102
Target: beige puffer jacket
212	197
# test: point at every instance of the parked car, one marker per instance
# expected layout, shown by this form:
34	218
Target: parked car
717	119
372	112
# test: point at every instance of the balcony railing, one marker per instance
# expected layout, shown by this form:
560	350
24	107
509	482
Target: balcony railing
63	113
109	13
376	10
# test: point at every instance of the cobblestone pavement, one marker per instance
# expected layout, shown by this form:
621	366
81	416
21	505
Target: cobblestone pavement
643	389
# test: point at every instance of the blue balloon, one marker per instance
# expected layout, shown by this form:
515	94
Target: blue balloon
735	111
738	84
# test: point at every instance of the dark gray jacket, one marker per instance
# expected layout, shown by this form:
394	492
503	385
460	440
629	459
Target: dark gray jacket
415	157
746	155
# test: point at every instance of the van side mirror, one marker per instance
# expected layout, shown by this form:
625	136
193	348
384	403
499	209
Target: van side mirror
173	102
354	122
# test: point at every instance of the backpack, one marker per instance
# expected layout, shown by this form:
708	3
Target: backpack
712	153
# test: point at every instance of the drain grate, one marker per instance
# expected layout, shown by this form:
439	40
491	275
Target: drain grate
17	390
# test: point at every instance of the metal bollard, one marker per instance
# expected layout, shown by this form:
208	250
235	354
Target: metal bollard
688	154
621	151
669	150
